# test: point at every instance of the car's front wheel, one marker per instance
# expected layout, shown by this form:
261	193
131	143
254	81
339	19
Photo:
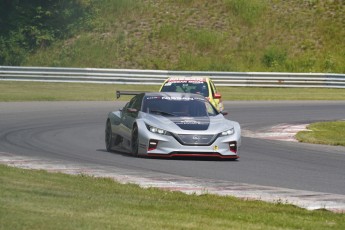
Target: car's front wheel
135	141
109	142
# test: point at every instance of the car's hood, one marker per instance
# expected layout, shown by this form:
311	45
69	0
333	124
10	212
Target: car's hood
191	123
207	125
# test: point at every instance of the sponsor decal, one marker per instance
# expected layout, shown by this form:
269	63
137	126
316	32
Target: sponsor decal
152	97
185	80
171	98
192	123
178	98
188	120
175	98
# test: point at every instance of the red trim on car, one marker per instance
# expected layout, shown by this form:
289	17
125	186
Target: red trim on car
217	155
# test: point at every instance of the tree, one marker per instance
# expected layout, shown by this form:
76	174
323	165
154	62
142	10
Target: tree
29	24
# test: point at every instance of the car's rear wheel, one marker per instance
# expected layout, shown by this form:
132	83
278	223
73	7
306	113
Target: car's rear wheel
109	141
135	141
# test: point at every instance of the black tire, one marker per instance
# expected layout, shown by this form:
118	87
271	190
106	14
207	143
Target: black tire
135	141
109	141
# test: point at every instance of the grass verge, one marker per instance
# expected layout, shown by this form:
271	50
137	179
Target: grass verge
37	91
329	133
32	199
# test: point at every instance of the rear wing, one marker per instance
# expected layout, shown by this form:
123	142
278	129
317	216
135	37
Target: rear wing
120	93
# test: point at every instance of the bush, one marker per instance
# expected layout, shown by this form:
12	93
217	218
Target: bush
274	56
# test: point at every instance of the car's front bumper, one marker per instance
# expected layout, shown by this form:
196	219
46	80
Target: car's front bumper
157	145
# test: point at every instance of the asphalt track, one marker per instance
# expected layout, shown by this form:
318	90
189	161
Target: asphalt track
74	132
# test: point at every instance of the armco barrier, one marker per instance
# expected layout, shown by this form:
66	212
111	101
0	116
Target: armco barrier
156	77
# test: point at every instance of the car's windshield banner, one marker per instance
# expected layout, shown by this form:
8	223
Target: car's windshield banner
195	80
168	98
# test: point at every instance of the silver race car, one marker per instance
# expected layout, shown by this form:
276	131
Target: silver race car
172	125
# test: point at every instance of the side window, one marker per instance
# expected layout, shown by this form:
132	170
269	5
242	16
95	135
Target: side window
131	102
125	107
212	88
136	102
210	109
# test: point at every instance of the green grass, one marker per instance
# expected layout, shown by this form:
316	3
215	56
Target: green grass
32	199
272	94
249	11
224	35
329	133
37	91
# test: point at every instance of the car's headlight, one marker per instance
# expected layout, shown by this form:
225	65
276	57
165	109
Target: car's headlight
228	132
157	130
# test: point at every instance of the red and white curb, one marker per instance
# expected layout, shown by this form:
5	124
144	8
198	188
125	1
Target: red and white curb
281	132
304	199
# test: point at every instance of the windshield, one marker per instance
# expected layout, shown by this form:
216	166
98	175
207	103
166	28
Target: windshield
199	87
178	106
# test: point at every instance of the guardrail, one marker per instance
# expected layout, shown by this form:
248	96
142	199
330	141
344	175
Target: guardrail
156	77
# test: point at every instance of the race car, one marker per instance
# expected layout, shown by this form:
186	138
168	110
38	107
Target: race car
199	85
170	124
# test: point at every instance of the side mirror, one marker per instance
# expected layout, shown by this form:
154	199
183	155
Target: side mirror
217	96
224	113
